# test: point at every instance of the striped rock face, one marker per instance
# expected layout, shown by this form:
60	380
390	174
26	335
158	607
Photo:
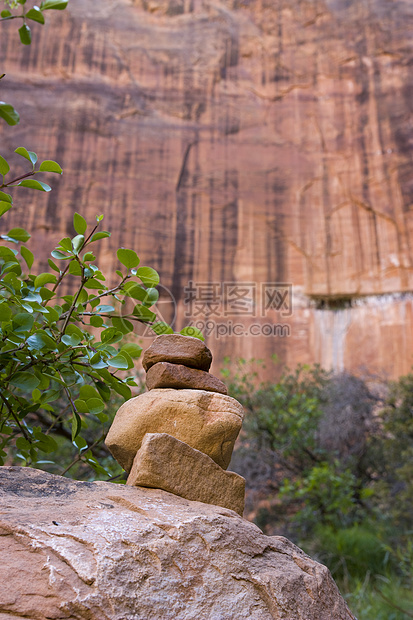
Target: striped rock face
244	143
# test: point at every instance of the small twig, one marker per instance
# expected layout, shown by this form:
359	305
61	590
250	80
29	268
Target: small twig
16	419
389	602
23	176
5	19
78	456
64	272
73	306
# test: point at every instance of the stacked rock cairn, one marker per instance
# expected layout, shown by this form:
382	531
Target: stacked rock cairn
179	435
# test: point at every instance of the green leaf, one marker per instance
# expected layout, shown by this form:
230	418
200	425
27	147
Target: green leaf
71	341
162	328
25	34
122	389
74	329
19	234
53	265
50	166
33	184
7	253
100	235
4	207
41	340
6	197
149	276
66	244
45	443
95	405
5	312
36	15
5	13
143	313
99	218
29	155
96	321
57	5
103	308
95	284
119	361
23	322
4	166
9	114
75	269
104	391
52	316
81	405
88	391
25	381
76	425
22	444
97	362
122	325
192	331
79	224
36	395
80	443
77	243
27	255
46	294
44	278
129	258
89	256
134	350
111	335
59	255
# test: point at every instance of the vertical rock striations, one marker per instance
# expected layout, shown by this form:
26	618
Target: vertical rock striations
253	141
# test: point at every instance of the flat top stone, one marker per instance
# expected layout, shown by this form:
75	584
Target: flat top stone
178	349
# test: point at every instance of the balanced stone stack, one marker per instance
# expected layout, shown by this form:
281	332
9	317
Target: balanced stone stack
179	435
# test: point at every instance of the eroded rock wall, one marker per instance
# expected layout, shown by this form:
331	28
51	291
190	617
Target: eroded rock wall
246	141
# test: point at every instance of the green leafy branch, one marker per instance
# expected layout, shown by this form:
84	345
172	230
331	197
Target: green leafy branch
34	14
6	200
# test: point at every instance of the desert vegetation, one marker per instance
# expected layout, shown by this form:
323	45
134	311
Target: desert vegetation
328	460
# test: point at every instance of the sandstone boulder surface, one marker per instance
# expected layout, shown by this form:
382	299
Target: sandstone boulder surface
163	462
178	350
166	375
207	421
100	551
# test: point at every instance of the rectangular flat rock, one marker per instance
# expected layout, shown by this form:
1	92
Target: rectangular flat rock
180	377
164	462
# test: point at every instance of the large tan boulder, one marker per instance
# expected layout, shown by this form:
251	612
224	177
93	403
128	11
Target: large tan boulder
163	462
101	551
207	421
178	349
178	376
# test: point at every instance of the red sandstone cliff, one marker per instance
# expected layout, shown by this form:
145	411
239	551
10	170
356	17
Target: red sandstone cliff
246	141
